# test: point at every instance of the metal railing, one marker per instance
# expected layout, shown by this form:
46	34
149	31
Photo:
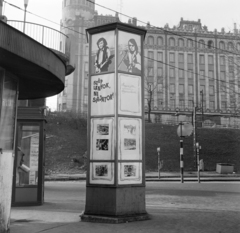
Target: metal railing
47	36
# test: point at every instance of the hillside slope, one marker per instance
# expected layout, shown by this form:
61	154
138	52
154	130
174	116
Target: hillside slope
66	144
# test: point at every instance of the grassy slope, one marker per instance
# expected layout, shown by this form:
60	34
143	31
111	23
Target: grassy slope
68	142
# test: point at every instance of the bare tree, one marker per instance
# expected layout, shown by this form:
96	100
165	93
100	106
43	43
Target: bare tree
151	86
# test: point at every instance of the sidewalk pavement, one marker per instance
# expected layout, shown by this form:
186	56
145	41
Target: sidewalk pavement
205	176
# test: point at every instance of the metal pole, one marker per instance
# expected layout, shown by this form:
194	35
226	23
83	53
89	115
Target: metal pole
158	151
202	108
198	161
181	159
194	135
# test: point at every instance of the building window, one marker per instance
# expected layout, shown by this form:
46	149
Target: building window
150	54
224	105
190	104
202	74
180	42
181	73
189	43
201	59
211	75
160	72
172	88
172	72
190	74
150	71
222	60
230	46
85	101
238	46
190	89
210	59
59	107
202	88
201	44
172	42
231	76
181	89
172	57
159	41
159	87
181	104
211	90
210	44
230	60
150	58
190	58
85	83
86	66
160	56
181	57
221	45
222	75
212	105
150	40
172	103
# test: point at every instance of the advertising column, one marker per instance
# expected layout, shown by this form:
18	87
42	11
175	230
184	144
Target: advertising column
115	176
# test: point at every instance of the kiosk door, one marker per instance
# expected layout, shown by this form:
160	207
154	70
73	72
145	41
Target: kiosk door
27	188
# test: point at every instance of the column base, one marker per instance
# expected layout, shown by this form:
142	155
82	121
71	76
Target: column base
114	219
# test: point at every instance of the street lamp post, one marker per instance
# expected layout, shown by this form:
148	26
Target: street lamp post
25	11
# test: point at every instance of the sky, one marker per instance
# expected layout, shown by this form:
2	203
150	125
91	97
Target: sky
215	14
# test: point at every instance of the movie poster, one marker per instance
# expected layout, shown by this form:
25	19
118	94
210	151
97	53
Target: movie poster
101	173
101	139
130	173
102	95
129	87
130	139
103	52
129	53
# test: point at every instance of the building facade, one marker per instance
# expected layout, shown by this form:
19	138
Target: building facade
186	66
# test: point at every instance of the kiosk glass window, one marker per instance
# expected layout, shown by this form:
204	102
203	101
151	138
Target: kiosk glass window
27	155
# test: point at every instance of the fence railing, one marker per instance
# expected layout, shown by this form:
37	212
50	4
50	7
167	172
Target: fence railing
47	36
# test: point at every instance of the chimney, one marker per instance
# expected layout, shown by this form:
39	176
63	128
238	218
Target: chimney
235	30
134	21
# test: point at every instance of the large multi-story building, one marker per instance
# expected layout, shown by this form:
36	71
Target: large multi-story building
186	66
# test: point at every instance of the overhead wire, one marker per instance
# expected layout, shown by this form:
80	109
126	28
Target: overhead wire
160	28
170	32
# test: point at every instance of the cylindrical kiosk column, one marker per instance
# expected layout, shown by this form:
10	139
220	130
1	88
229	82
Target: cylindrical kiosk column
115	175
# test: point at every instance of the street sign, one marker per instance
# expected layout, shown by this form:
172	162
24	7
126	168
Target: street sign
184	129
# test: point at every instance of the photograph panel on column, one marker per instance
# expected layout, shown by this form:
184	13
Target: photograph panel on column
101	173
102	139
130	139
102	95
103	52
129	88
129	53
130	173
